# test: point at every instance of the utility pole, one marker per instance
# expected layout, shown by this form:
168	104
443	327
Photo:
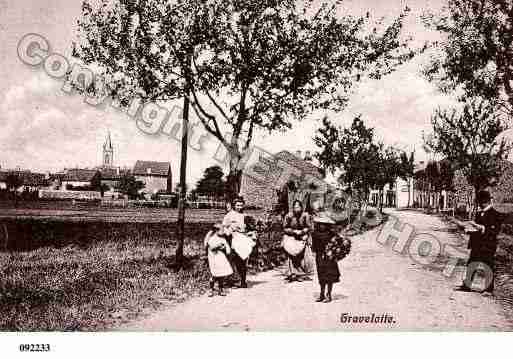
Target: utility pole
180	227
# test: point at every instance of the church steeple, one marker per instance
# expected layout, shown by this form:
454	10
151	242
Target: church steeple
108	152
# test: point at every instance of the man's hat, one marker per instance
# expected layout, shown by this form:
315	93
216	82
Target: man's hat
483	196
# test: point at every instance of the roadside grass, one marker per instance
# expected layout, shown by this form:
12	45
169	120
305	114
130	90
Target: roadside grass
95	287
504	270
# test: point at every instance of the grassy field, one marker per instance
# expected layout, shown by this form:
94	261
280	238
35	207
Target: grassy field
66	269
92	286
83	213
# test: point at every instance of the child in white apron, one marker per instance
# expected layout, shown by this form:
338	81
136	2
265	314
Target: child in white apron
217	252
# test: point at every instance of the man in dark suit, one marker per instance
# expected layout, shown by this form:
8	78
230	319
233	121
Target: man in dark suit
483	242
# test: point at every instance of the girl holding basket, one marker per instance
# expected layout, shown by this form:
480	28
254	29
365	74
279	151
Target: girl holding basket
330	246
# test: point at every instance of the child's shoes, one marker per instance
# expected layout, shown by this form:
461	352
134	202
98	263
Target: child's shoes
320	299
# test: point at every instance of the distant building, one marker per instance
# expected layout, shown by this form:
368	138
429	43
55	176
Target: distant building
78	177
399	195
156	176
110	174
3	183
108	153
283	171
32	181
111	177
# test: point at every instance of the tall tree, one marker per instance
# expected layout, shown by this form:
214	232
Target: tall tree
130	186
387	170
353	152
407	171
439	177
212	183
476	49
257	64
96	183
470	139
13	181
444	180
421	186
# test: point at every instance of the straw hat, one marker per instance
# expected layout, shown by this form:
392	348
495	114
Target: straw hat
323	217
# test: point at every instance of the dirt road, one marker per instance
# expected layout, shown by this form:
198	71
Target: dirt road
376	281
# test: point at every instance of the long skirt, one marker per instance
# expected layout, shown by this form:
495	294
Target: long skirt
295	264
327	270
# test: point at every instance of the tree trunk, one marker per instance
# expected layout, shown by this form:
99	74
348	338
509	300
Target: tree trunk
409	193
234	180
180	228
381	195
474	210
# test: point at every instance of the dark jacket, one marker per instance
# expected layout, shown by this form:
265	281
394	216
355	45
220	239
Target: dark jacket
485	244
292	223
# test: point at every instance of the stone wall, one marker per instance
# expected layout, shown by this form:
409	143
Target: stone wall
264	193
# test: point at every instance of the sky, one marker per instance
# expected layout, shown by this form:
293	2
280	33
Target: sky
46	129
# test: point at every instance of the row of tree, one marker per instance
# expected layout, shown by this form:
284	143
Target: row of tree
473	60
432	181
469	140
362	162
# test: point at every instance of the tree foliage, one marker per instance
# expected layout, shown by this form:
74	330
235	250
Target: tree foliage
351	150
212	183
130	186
470	139
255	64
407	165
477	49
13	181
96	183
431	181
365	163
388	166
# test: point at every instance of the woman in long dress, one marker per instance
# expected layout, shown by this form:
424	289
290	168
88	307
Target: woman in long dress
242	245
296	228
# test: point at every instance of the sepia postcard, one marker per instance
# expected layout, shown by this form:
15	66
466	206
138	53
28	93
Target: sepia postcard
257	165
